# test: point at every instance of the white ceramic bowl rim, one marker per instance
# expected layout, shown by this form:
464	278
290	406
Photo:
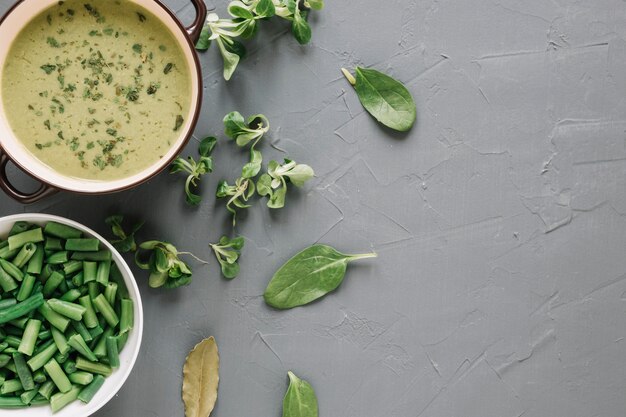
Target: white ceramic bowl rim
128	355
10	26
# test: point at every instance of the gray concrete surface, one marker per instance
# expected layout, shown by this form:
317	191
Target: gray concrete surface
500	220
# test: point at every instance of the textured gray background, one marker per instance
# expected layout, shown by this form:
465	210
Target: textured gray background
500	220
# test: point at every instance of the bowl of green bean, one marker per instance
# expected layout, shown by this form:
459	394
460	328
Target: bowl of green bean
71	319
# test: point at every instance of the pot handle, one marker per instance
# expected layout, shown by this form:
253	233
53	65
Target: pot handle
196	27
43	191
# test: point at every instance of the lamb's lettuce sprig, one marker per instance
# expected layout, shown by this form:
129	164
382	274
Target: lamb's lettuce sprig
195	169
244	24
274	183
227	252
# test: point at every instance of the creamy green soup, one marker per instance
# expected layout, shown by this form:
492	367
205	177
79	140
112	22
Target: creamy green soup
96	89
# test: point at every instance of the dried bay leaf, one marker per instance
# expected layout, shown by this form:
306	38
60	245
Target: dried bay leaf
201	378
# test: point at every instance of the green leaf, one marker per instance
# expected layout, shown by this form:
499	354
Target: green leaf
277	199
126	241
239	9
264	185
204	42
207	145
385	98
231	60
300	399
227	252
301	29
314	4
236	48
309	275
265	8
252	168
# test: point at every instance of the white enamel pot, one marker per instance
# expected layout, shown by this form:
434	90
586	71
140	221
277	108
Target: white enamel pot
11	149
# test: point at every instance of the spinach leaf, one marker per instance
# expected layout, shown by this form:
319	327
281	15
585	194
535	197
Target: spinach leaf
300	399
227	252
309	275
384	98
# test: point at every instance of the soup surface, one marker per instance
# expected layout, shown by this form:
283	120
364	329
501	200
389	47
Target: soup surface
96	89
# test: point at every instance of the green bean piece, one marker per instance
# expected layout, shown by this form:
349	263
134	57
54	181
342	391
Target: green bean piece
71	267
44	335
71	296
61	399
13	341
53	317
61	231
27	396
79	279
82	330
19	227
112	353
95	332
100	349
39	400
19	323
89	318
58	258
22	308
121	341
45	273
39	377
78	344
110	292
93	367
56	374
60	341
7	302
93	288
23	373
106	310
61	358
83	245
5	252
90	390
11	403
7	283
27	345
67	309
102	275
52	244
10	386
69	367
52	283
42	357
81	378
26	288
126	315
46	389
101	255
63	287
89	270
35	264
24	255
3	346
4	360
11	269
29	236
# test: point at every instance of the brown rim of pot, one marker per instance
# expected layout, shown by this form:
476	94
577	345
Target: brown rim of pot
192	34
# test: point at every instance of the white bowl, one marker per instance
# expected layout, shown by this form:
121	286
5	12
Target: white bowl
128	355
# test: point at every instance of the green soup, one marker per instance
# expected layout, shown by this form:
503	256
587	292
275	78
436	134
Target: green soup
96	89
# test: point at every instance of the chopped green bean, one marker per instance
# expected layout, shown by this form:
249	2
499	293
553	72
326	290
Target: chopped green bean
93	367
27	345
61	231
21	309
112	352
101	255
39	377
28	396
71	296
41	358
46	389
67	309
126	315
61	399
82	330
81	378
4	360
10	386
11	403
106	310
35	264
58	258
89	270
53	317
24	255
79	279
26	289
8	302
52	283
102	275
89	318
60	341
82	245
53	244
78	344
56	374
23	373
90	390
69	367
100	349
29	236
71	267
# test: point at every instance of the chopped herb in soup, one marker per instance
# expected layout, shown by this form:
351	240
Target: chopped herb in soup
96	89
